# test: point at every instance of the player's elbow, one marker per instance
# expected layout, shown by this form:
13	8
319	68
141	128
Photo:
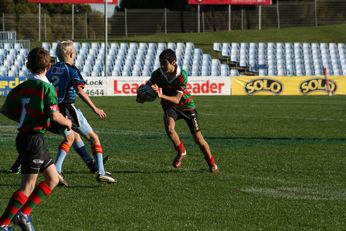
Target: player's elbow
80	92
177	99
79	89
54	117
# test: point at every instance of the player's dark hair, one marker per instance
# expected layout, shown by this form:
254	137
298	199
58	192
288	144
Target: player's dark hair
38	60
168	55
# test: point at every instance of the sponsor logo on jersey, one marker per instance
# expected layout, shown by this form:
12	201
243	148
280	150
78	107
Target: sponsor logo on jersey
263	85
37	161
54	107
57	70
318	84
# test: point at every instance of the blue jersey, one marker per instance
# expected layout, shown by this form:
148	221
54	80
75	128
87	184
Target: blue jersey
65	78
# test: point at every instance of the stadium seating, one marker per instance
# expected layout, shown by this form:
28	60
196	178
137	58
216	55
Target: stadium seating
140	59
12	59
285	59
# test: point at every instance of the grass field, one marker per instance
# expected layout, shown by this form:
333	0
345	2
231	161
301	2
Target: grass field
282	162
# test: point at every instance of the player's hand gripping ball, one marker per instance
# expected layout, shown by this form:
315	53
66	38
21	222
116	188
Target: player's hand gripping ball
146	94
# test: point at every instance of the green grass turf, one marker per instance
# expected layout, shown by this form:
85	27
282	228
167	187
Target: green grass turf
282	162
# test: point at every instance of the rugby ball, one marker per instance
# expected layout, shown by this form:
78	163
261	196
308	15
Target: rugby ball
146	93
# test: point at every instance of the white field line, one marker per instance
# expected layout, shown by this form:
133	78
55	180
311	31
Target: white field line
8	132
11	131
261	179
296	193
127	132
291	118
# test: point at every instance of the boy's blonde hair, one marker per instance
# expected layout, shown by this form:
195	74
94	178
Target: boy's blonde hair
64	49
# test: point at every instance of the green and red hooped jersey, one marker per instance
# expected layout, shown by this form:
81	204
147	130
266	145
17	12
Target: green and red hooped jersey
30	104
172	87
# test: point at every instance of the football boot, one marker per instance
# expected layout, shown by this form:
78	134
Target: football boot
24	222
178	161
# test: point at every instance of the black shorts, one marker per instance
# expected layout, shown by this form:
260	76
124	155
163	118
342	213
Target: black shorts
70	111
189	116
56	128
33	152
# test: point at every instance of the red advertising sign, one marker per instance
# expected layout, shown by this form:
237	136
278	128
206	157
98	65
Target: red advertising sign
231	2
197	85
75	1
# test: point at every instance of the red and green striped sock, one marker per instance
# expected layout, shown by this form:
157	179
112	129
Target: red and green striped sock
180	148
17	200
211	161
41	192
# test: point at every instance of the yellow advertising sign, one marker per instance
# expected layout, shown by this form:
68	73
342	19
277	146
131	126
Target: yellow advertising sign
300	85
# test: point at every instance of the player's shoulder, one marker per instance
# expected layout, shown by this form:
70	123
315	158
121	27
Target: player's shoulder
57	69
156	75
74	72
183	73
156	72
72	68
41	84
14	91
182	76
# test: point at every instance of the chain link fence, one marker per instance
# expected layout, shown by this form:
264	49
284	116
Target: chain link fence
133	22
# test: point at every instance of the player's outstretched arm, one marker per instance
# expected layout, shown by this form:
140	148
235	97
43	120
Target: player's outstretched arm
84	96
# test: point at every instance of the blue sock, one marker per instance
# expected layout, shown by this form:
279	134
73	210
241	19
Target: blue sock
79	146
99	163
60	157
97	150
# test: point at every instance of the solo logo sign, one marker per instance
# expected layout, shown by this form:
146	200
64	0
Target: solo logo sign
318	84
263	85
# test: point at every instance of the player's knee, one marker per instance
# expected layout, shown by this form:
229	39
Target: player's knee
70	138
199	140
77	137
52	181
170	130
94	138
28	188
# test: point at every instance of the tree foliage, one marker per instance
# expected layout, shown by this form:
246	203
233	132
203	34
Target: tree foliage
56	20
153	4
22	6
